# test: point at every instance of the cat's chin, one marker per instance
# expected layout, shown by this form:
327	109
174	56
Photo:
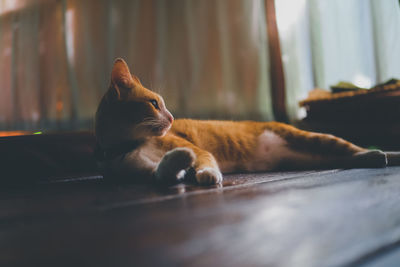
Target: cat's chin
165	131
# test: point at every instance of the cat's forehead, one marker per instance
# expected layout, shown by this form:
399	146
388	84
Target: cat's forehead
144	93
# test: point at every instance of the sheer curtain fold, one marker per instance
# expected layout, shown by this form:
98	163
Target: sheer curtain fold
324	42
387	41
206	57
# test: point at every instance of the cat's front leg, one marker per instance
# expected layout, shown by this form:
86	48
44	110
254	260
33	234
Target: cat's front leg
173	165
206	167
208	175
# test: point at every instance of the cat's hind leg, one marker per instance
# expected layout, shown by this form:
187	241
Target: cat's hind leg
328	151
363	159
173	165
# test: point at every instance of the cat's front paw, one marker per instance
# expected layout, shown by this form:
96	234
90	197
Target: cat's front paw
173	165
208	175
179	158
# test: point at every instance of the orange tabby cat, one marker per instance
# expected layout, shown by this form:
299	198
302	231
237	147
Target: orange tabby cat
138	137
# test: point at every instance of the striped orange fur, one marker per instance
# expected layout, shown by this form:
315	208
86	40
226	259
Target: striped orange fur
160	148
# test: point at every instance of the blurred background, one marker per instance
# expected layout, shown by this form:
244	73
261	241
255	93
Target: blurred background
209	59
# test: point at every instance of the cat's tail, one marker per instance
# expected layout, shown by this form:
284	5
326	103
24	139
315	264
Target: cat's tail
373	159
393	158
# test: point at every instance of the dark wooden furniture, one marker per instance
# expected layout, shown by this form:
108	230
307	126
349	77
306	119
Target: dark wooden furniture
365	117
277	76
33	159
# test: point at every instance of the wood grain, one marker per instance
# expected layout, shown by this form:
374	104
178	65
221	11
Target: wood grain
328	218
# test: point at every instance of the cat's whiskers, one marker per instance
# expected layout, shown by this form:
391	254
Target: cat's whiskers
152	123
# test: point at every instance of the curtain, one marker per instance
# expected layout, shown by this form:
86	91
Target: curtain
324	42
207	58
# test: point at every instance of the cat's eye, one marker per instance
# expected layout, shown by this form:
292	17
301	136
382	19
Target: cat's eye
154	103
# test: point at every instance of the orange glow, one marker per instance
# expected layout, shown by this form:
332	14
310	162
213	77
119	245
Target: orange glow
59	105
14	133
7	6
10	6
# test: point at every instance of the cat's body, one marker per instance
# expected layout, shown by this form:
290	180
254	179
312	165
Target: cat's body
139	138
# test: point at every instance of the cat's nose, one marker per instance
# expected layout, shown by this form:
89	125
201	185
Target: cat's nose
169	116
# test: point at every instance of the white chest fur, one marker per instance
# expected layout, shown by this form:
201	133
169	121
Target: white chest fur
144	157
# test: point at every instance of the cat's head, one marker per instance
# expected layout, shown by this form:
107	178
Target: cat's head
130	111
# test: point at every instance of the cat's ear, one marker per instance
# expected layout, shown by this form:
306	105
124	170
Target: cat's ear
120	75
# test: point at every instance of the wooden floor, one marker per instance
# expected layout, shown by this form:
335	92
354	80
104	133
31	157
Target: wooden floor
314	218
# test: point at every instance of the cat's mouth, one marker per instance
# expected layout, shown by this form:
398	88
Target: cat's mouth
155	127
166	130
161	129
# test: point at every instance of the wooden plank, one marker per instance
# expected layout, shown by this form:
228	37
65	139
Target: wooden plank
85	195
325	219
391	259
